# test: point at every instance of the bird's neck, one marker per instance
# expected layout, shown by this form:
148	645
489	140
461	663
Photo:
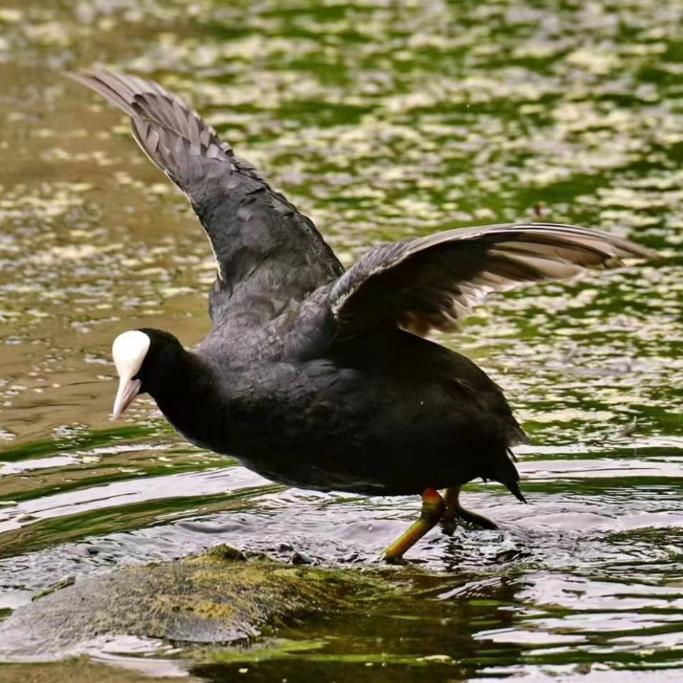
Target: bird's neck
193	400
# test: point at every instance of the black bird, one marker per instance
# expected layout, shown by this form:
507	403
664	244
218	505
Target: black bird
318	377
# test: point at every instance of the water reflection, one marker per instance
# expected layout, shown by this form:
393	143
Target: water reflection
381	120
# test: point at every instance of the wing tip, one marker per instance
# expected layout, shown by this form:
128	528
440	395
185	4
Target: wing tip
631	251
85	76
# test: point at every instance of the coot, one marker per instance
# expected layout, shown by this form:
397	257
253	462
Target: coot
320	377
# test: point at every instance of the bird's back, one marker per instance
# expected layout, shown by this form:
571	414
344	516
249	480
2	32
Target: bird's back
390	414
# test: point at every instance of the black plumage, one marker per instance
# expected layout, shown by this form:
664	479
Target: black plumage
319	377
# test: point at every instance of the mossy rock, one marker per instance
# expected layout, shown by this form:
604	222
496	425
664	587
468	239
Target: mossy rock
217	597
80	670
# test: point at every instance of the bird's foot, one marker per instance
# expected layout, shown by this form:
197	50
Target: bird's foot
456	514
476	520
467	519
448	525
433	508
397	560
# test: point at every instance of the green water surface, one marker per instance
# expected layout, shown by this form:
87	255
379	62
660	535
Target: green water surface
380	120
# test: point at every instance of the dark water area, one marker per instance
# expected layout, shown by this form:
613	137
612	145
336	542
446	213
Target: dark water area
380	120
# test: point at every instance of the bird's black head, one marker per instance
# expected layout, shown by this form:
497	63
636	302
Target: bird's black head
144	361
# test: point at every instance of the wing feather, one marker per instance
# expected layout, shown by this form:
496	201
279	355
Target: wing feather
433	282
265	250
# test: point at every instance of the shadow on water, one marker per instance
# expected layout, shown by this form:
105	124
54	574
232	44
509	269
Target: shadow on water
381	121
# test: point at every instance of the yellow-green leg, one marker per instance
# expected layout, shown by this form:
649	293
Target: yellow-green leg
455	511
433	508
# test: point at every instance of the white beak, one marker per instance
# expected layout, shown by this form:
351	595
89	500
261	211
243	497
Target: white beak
129	351
128	390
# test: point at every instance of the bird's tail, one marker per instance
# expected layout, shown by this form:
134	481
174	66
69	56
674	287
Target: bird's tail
506	473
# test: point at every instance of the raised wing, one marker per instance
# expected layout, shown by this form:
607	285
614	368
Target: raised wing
434	281
267	253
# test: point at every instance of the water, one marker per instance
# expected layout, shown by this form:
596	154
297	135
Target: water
380	120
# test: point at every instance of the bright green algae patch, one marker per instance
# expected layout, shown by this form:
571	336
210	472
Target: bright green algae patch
216	597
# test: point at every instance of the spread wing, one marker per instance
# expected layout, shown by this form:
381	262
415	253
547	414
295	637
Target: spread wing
434	281
267	253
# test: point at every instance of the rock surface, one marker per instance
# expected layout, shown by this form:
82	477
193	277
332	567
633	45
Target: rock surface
215	597
79	670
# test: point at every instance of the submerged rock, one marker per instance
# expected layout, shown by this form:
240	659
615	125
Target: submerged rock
215	597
